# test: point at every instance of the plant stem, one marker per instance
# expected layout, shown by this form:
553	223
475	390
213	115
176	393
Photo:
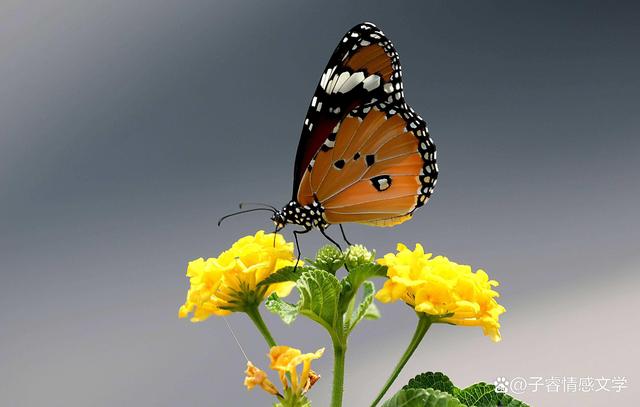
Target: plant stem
255	316
339	351
424	322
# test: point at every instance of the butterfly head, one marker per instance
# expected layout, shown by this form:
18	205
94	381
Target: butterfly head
279	220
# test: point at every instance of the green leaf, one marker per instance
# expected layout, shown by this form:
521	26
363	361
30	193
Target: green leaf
319	296
283	275
368	289
422	398
431	380
355	278
485	395
372	312
287	312
363	272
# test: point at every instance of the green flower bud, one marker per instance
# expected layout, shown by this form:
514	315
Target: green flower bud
329	258
358	255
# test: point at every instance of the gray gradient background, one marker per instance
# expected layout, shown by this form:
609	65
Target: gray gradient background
128	127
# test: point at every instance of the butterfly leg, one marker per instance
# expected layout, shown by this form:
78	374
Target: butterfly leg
295	237
344	236
330	239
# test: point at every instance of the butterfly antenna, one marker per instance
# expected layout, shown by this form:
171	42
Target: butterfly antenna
264	205
235	337
244	211
274	236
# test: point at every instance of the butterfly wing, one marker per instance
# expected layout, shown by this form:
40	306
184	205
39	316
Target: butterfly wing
364	68
381	167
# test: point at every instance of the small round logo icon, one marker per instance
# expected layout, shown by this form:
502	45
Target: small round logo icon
502	384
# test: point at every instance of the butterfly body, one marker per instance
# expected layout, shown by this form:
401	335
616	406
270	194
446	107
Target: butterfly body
307	216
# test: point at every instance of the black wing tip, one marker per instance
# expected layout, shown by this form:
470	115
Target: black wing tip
364	25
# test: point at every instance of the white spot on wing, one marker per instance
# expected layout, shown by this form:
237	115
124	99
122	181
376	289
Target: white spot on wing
350	83
338	83
325	77
372	82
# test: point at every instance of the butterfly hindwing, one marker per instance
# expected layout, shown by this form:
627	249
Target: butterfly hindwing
363	69
378	170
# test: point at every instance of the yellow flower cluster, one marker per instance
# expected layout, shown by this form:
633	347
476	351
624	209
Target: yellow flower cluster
229	282
285	361
448	291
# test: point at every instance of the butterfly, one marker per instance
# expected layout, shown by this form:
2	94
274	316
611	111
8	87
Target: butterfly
365	155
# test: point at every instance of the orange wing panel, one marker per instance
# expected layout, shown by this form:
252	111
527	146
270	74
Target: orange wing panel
364	191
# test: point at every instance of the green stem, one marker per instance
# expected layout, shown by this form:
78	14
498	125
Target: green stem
255	316
339	351
424	322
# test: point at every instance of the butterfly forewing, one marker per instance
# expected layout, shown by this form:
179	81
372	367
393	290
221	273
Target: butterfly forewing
363	69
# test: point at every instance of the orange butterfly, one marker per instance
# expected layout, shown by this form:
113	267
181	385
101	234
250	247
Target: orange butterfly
364	155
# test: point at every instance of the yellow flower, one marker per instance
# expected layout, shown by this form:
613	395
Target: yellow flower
447	291
229	282
285	360
257	377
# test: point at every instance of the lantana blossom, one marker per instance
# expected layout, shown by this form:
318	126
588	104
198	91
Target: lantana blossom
447	291
229	282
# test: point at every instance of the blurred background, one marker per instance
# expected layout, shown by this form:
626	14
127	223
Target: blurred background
127	128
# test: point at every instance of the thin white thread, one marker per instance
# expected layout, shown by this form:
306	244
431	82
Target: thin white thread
234	337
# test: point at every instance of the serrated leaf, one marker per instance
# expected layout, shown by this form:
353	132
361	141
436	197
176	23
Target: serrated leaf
368	289
355	278
372	312
422	398
360	274
287	312
431	380
283	275
319	296
485	395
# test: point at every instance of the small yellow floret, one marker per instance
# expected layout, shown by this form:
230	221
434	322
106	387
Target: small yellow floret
285	360
256	377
